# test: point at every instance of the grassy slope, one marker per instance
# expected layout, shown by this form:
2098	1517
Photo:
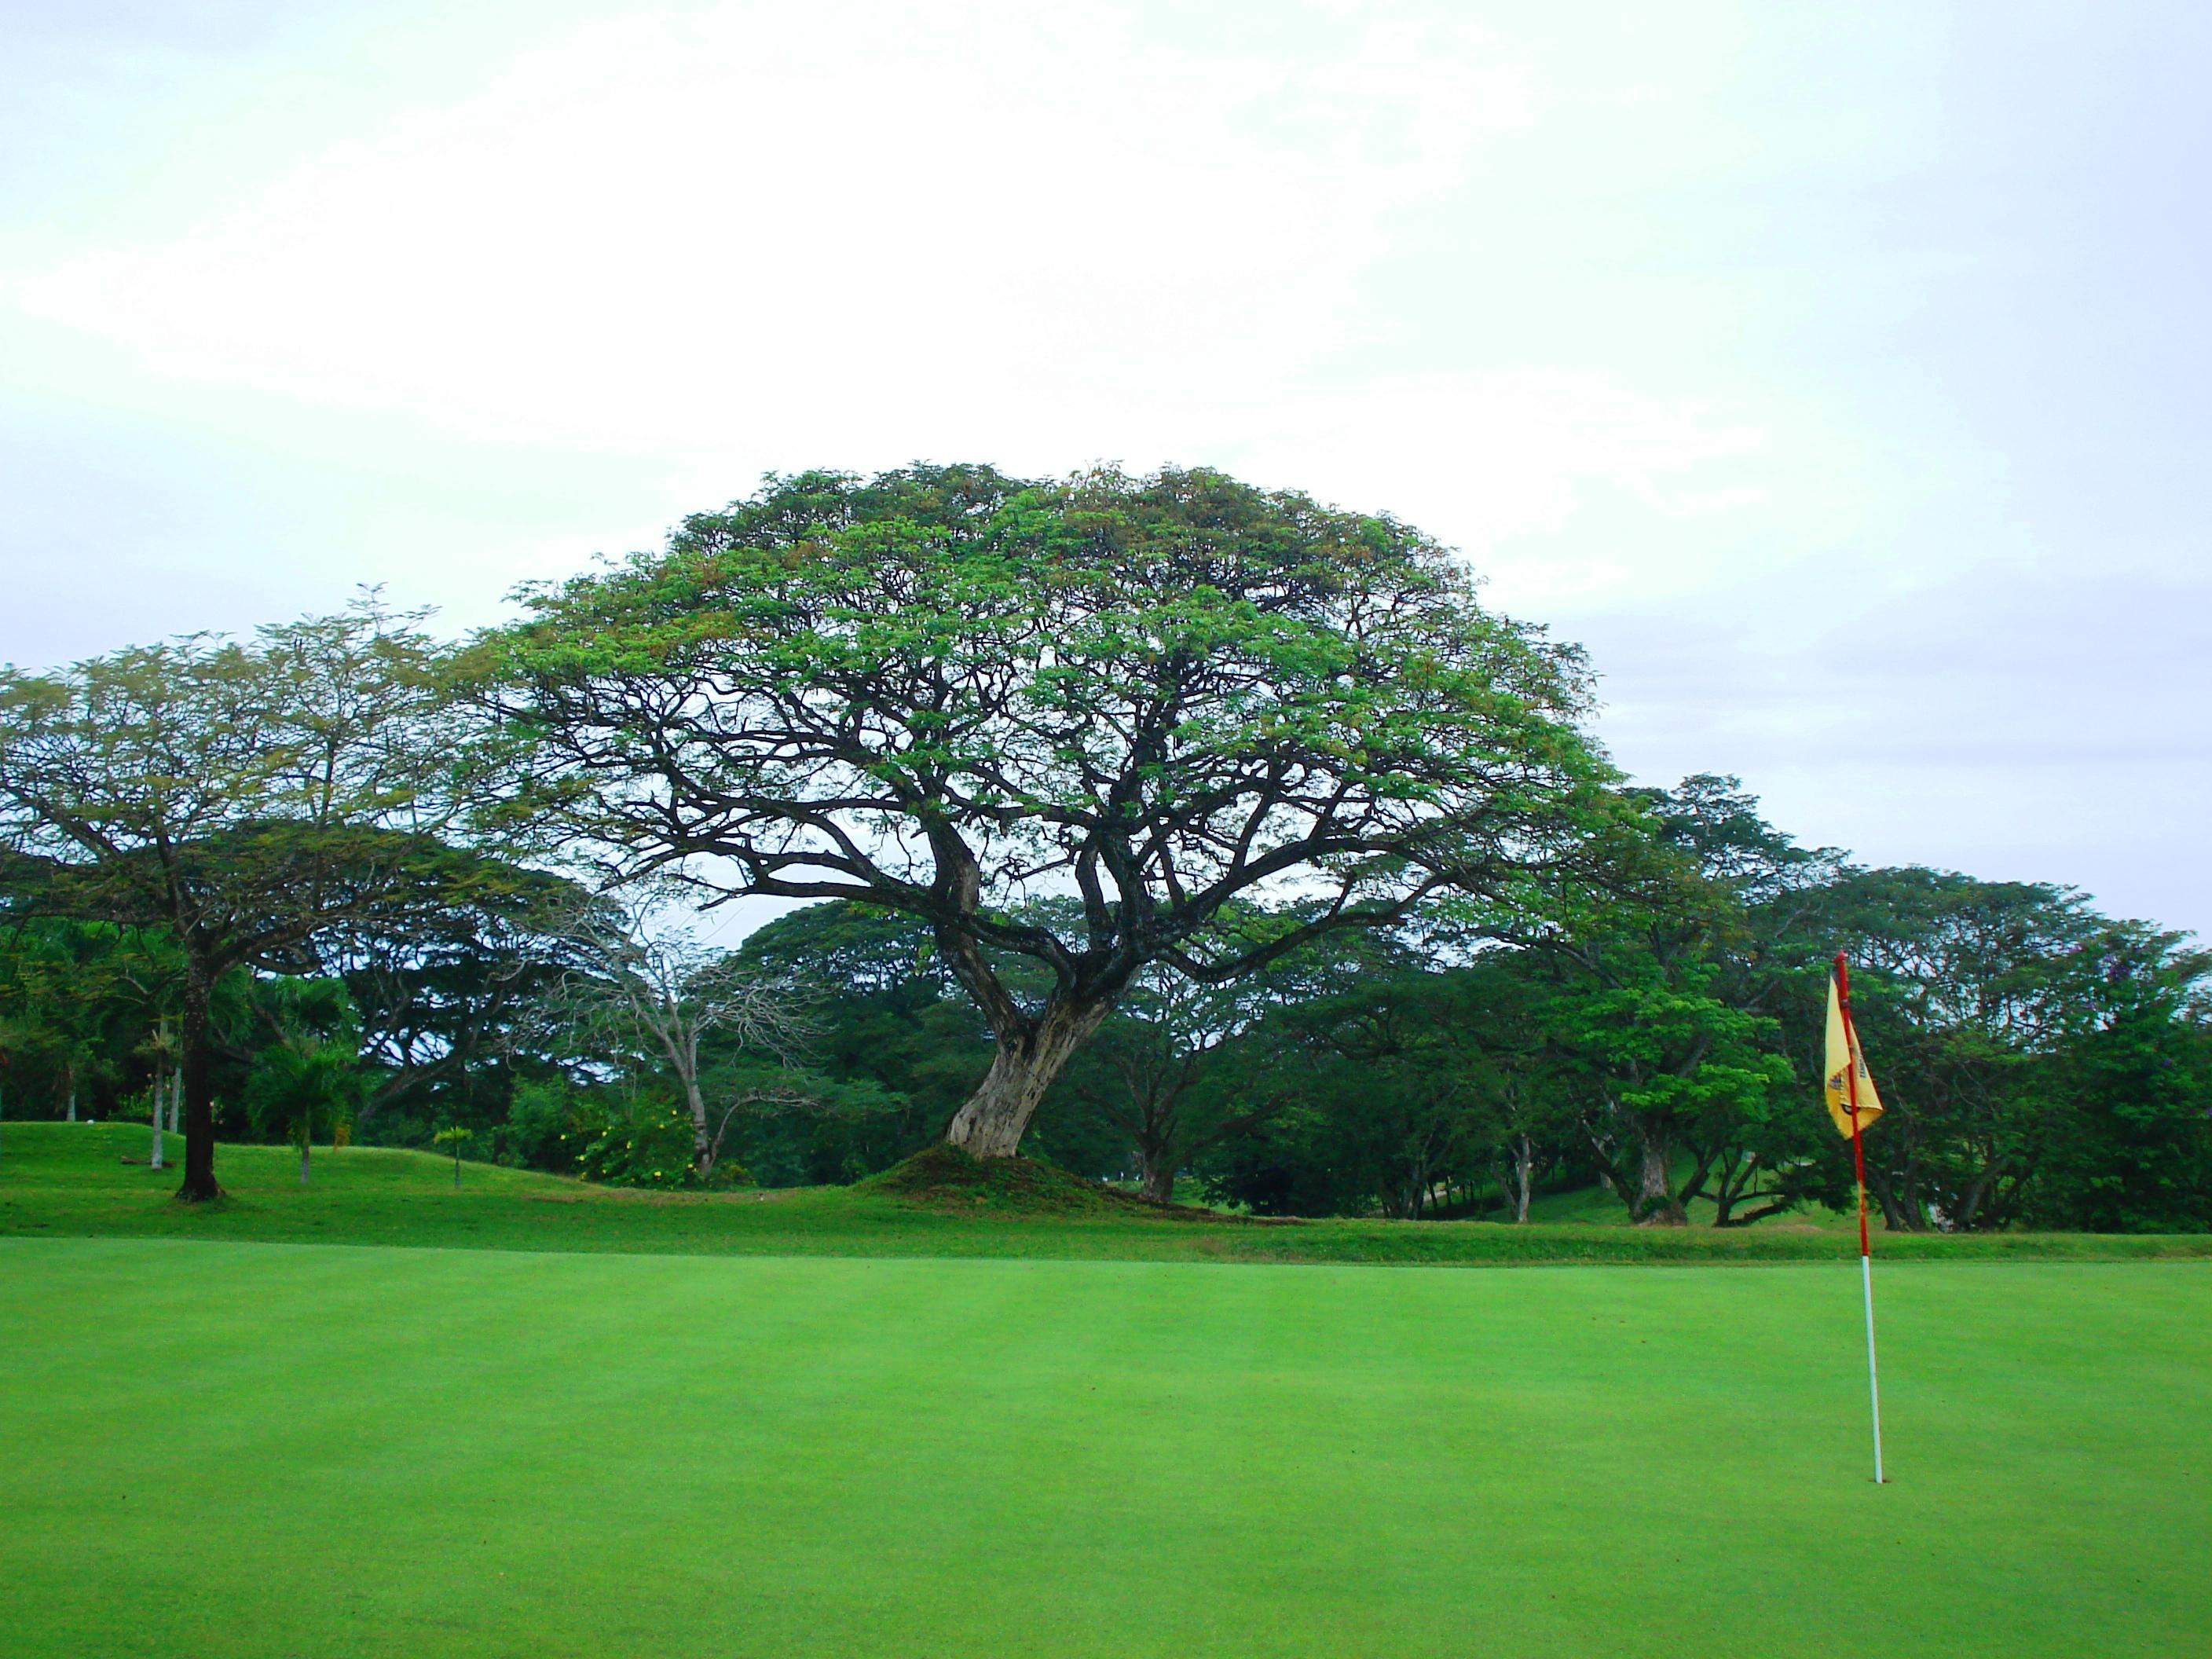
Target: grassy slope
61	1180
263	1451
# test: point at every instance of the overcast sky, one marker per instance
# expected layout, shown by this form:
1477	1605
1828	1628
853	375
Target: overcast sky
1837	373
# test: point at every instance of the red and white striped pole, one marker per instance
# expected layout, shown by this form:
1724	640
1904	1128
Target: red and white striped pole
1858	1167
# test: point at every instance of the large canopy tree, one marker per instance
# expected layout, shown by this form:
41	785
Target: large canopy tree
246	799
944	691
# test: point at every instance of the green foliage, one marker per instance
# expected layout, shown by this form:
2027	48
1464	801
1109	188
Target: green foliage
645	1141
896	1050
246	799
1148	1095
300	1087
939	690
78	1002
2019	1039
538	1133
2126	1105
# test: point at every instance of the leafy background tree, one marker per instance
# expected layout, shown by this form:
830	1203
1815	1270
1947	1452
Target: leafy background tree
243	799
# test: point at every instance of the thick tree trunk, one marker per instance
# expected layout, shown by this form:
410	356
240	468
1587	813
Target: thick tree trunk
1654	1202
199	1097
1893	1216
1969	1201
992	1121
1159	1166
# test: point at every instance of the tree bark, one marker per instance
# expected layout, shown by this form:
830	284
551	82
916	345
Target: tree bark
1159	1174
1654	1203
703	1147
1970	1204
193	1059
992	1121
1524	1169
1737	1177
1894	1216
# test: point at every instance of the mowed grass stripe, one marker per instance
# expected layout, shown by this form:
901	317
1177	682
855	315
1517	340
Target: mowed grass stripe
241	1450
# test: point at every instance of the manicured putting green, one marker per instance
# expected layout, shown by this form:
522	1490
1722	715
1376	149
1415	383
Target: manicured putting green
268	1449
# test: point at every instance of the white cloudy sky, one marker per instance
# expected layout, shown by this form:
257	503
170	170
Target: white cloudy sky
1836	373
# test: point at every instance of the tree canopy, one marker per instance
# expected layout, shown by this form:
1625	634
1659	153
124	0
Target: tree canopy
245	798
943	689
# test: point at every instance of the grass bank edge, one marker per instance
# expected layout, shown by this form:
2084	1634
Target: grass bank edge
63	1180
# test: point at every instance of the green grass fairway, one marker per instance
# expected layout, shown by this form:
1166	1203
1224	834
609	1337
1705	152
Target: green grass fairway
243	1450
60	1180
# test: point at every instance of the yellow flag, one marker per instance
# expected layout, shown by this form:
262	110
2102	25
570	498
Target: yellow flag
1843	1059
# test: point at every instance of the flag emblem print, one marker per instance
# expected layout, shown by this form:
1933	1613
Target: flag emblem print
1844	1058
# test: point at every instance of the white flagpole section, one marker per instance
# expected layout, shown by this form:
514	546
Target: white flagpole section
1874	1379
1840	990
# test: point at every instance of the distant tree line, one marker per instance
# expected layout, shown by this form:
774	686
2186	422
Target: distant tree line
1180	832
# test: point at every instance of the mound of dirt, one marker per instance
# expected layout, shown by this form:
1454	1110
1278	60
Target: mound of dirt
948	1180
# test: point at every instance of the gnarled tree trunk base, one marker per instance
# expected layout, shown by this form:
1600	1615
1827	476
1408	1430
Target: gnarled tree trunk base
996	1116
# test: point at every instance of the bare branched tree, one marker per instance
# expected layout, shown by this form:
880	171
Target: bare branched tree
639	980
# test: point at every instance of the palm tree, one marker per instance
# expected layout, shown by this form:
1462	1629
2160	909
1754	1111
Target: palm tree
299	1082
161	1048
455	1136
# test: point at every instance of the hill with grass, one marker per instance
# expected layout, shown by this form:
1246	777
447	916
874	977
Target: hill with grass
60	1180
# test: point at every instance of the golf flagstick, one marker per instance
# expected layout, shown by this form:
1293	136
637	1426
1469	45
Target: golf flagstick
1861	1106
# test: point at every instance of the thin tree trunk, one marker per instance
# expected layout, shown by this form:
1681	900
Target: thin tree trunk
703	1149
707	1141
1524	1169
992	1121
198	1089
154	1115
1726	1194
304	1142
69	1071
